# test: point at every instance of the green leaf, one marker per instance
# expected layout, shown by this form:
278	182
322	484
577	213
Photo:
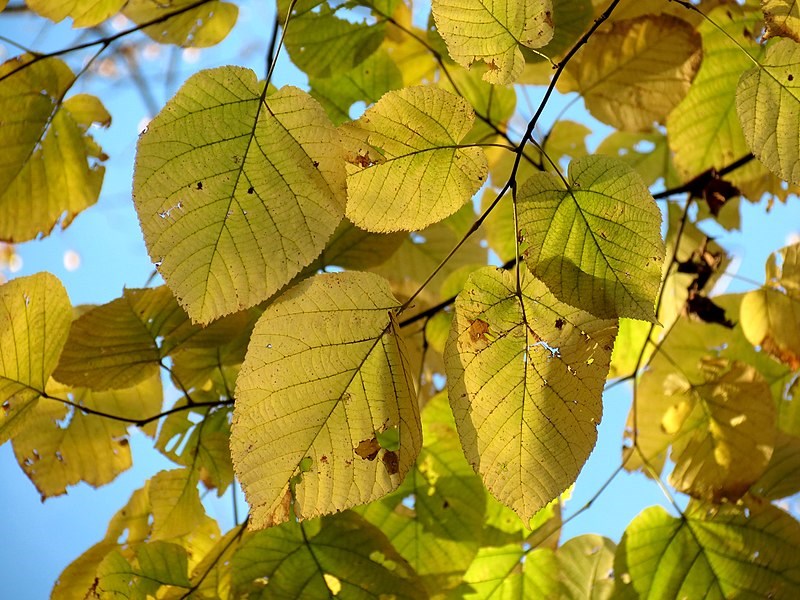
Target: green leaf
781	478
325	373
597	243
510	573
84	13
525	376
61	446
782	18
406	170
647	153
156	565
493	33
322	45
236	195
367	82
714	552
50	168
194	25
35	314
768	105
344	557
633	74
355	249
434	520
703	130
586	567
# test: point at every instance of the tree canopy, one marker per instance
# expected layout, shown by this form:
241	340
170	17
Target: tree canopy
389	300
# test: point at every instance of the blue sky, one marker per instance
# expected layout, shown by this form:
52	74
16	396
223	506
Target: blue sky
40	539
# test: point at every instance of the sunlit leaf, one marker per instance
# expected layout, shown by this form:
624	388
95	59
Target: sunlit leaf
406	170
648	153
34	323
343	556
633	74
193	24
50	170
782	18
493	33
356	249
570	20
704	130
366	83
587	567
155	565
714	552
509	572
597	243
434	519
325	375
84	13
323	45
525	375
61	446
768	105
781	478
175	503
79	576
235	196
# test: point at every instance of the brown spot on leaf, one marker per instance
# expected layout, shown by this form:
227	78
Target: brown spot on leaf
316	163
391	462
368	449
790	77
323	459
783	354
560	323
251	190
478	330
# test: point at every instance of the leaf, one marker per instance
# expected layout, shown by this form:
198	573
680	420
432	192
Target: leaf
235	196
366	83
345	556
770	315
596	244
493	32
525	376
509	572
355	249
714	552
61	446
322	45
35	314
406	170
781	478
724	430
768	105
79	576
633	74
175	503
156	565
84	13
782	18
50	169
647	153
586	567
196	25
434	520
703	130
116	345
306	404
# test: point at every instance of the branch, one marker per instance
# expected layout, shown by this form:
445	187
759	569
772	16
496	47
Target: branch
698	184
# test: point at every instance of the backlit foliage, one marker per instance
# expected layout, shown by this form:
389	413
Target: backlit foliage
393	327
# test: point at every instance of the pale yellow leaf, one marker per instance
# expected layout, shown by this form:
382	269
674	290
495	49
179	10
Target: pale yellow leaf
492	31
84	13
235	196
406	170
184	22
324	376
525	377
175	504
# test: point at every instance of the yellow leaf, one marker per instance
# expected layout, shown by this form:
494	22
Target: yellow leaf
325	374
768	105
632	75
84	13
193	24
175	503
782	18
525	376
493	32
406	170
587	567
235	196
35	314
50	168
